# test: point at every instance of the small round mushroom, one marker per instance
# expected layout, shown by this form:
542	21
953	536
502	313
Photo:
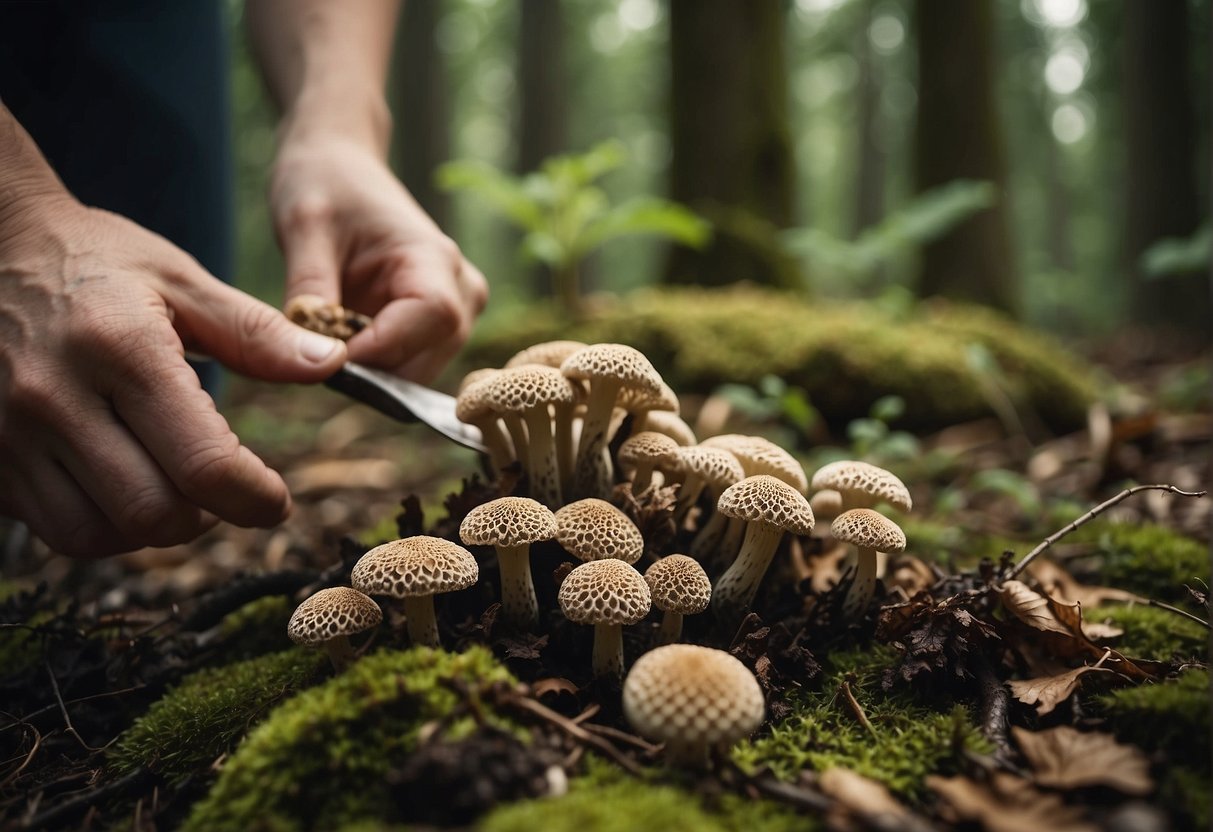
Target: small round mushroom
672	425
328	619
547	353
679	587
642	453
529	390
694	699
704	468
871	532
862	485
471	406
607	594
416	569
593	529
640	402
769	507
511	525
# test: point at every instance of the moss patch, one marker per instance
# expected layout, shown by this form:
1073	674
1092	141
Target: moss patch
320	759
257	628
1151	633
845	355
207	714
1147	558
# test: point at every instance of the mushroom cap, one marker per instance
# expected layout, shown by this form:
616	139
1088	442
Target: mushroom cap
826	503
759	455
604	592
853	475
547	353
527	387
869	530
508	521
593	529
679	584
614	361
766	499
477	375
648	446
716	466
671	424
473	403
420	565
336	611
690	695
634	399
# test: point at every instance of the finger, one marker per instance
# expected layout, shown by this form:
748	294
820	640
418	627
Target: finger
310	249
428	365
474	287
407	327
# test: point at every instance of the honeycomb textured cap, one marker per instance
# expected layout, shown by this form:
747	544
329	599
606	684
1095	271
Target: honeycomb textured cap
333	612
472	403
692	695
604	592
679	584
475	376
548	353
508	521
633	399
527	387
671	424
593	529
868	529
420	565
716	466
615	361
759	455
765	499
648	446
853	475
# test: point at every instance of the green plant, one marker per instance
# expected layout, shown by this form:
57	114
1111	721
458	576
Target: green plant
773	401
1175	256
565	215
873	439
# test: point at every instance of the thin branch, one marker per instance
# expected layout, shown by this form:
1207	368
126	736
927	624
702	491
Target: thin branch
1178	611
1089	516
67	720
37	744
573	730
622	736
856	708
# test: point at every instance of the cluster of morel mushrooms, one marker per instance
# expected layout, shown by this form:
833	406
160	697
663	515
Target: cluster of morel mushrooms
555	409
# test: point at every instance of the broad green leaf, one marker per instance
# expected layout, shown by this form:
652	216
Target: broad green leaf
646	215
542	247
501	191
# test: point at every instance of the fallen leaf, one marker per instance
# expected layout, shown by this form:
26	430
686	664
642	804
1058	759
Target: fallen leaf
864	798
1066	758
1007	803
911	574
1047	692
826	569
1035	610
554	684
1058	583
1099	631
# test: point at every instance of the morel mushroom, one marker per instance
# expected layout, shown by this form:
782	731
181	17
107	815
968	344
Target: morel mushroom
607	594
328	619
511	525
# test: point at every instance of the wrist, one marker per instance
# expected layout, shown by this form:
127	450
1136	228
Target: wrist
322	113
29	190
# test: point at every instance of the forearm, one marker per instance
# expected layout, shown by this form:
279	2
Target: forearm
326	64
26	180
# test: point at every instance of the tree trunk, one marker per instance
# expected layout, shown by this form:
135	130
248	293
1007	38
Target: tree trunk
732	151
869	197
422	115
958	136
1161	158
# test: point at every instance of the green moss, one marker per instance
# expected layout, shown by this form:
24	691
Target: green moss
1147	558
206	715
256	628
912	738
1152	633
321	758
844	355
21	645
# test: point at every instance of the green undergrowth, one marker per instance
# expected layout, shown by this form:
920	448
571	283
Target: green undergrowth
321	759
1146	558
207	714
1152	633
255	629
911	737
606	799
845	355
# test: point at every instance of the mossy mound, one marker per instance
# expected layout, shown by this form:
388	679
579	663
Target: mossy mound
1146	558
845	355
207	714
1152	633
321	759
911	739
256	628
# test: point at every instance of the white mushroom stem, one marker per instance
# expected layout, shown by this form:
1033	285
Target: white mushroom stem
671	628
566	450
608	650
688	495
519	607
709	537
862	587
642	476
541	457
730	543
735	591
497	441
591	478
517	429
419	617
339	651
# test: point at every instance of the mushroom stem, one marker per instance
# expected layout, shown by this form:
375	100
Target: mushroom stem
608	650
566	450
671	628
519	607
419	617
642	477
497	441
862	587
592	473
687	755
739	584
541	457
730	544
709	537
517	429
339	651
688	495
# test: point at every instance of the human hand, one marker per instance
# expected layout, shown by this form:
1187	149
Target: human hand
107	440
352	235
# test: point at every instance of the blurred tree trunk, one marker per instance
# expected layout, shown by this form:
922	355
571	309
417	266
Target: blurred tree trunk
1161	158
420	90
542	124
732	150
958	136
869	199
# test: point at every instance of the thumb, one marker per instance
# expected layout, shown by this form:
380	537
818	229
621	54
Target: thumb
252	337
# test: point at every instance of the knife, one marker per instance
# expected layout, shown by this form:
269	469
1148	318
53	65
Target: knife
405	401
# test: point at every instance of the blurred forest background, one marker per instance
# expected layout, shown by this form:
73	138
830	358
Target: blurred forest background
1062	144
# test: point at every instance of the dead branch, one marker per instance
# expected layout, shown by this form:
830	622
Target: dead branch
572	729
1178	611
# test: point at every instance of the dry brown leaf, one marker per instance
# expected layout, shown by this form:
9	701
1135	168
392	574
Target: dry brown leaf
1040	612
1099	631
863	797
1047	692
827	568
1058	583
1065	758
909	573
1007	804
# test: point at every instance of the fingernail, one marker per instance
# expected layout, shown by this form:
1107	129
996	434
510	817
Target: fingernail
317	348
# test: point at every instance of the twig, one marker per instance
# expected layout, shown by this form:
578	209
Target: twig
66	810
28	757
623	736
15	720
67	720
856	708
573	730
1178	611
1091	515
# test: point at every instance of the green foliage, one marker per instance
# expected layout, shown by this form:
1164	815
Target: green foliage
873	439
927	217
1147	558
1152	633
786	409
321	758
256	628
1176	256
912	738
206	715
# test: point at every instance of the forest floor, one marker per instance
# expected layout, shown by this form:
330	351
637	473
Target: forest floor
1073	698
